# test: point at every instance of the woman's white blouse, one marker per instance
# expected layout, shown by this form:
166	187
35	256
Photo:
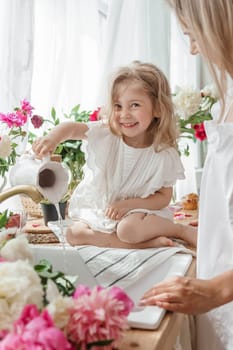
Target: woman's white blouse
215	236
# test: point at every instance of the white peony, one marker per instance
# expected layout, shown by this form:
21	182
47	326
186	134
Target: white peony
186	101
59	310
19	285
210	90
5	146
52	291
17	248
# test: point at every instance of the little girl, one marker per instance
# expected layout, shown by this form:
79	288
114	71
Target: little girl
131	165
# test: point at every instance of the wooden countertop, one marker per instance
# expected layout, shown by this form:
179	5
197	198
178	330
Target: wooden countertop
161	339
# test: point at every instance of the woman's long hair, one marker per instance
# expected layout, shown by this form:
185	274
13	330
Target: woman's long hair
210	22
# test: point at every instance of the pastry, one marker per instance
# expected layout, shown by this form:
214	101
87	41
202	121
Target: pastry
190	201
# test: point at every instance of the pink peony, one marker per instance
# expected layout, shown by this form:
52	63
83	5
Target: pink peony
100	314
35	330
122	297
81	290
26	107
13	119
29	312
19	117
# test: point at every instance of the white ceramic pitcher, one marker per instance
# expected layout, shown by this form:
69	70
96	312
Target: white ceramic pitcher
49	177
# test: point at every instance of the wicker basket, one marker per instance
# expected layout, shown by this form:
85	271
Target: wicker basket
32	209
42	238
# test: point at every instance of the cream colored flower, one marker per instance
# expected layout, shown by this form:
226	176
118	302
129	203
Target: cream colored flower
59	310
5	146
17	248
52	291
210	90
5	315
19	285
186	101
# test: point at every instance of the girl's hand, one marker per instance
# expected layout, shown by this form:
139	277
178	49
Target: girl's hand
183	294
116	210
43	146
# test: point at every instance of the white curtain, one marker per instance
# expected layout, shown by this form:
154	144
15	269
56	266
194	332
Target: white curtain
16	47
135	30
66	54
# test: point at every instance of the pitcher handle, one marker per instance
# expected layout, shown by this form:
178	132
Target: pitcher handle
46	159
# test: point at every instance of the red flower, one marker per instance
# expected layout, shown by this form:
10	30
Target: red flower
37	121
94	115
200	133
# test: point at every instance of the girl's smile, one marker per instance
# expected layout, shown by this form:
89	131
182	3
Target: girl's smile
133	114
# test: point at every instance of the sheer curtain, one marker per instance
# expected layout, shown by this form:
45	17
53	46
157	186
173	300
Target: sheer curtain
135	30
66	54
50	53
16	46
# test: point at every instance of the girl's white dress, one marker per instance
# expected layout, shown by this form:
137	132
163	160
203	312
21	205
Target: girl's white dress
115	171
215	237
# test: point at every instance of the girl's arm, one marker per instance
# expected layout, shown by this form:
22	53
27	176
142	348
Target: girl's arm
160	199
191	295
62	132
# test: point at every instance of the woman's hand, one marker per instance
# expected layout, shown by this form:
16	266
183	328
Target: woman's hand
183	294
116	210
43	146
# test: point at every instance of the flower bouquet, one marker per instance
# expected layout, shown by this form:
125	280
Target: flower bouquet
18	127
42	309
13	131
192	108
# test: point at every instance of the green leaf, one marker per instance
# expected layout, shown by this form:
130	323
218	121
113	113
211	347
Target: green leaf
53	113
64	284
75	109
4	218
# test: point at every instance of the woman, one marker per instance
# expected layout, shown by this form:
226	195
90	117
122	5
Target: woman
209	25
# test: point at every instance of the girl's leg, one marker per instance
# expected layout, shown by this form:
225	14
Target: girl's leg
81	234
140	227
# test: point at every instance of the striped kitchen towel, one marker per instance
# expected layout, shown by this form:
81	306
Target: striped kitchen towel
114	266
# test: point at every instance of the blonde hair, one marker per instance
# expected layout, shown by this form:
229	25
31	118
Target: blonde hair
211	23
156	86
